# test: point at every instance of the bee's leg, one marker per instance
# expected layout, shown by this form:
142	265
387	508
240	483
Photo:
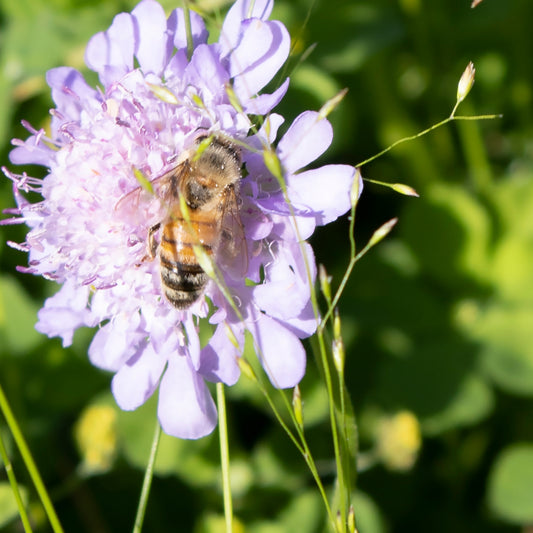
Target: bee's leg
152	243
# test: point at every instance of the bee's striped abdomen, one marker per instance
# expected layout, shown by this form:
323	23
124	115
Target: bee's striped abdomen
182	277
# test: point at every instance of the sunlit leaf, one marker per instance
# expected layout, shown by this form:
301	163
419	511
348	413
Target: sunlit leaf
473	401
367	514
510	490
450	233
303	513
507	355
18	315
435	381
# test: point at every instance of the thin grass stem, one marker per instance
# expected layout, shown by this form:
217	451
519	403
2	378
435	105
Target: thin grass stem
425	132
30	463
224	457
14	486
147	481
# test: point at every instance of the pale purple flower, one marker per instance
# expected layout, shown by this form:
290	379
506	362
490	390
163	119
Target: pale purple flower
152	102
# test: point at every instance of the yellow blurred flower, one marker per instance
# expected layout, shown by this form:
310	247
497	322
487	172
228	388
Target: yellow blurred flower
96	437
398	440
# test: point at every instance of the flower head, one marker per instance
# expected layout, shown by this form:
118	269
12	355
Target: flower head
106	148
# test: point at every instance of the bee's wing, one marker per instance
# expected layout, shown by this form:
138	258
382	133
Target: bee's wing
150	202
233	250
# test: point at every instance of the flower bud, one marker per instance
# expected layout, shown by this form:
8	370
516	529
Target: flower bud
273	164
356	187
351	520
339	525
338	344
466	82
233	98
325	282
331	104
297	406
338	355
382	232
246	369
404	189
163	93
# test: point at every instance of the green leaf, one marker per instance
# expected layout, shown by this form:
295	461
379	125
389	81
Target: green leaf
507	354
510	489
8	505
513	256
511	268
18	315
472	402
214	523
363	29
368	517
315	400
315	81
303	512
436	380
450	233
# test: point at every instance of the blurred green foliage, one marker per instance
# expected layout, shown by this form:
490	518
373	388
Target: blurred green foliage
437	320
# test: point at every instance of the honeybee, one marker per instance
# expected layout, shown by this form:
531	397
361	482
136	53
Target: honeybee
207	178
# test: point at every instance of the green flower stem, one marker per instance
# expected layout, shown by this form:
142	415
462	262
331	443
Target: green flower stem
424	132
342	487
14	486
224	456
30	463
147	482
301	444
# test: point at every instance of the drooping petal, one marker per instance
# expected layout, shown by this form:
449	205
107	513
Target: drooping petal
304	324
138	378
193	342
65	312
110	53
70	93
115	343
291	272
153	43
207	74
264	103
314	189
240	11
186	408
281	352
307	138
264	48
31	151
219	356
293	228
